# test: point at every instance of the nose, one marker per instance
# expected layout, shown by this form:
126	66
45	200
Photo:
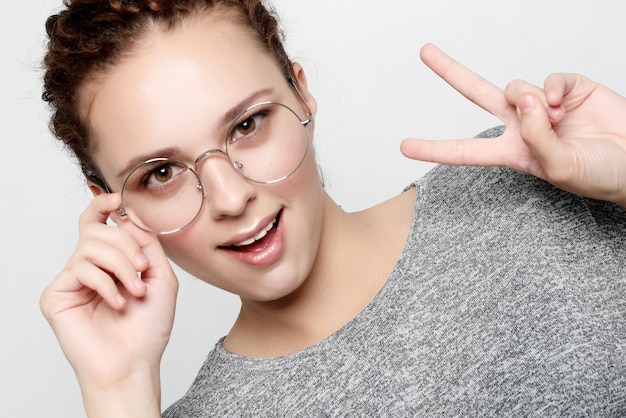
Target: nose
226	191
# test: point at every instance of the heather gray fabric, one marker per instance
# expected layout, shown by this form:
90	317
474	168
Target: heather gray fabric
509	299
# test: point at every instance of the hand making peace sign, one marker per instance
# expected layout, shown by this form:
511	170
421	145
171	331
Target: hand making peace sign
571	132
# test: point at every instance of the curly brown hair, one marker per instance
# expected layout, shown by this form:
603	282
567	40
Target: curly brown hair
89	36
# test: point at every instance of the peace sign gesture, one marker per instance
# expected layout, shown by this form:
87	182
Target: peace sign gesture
571	132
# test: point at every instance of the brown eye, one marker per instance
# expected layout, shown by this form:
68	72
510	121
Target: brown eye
246	127
163	176
163	173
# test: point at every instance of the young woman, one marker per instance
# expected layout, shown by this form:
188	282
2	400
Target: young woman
476	291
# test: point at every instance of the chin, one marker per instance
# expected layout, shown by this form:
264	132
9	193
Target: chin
274	286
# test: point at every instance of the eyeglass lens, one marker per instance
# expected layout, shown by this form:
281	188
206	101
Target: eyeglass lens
266	144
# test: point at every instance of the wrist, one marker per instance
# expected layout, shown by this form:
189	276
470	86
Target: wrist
138	396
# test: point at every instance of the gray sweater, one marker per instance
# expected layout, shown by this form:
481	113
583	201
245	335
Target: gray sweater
509	299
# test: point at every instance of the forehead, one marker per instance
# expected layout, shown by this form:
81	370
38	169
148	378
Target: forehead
173	84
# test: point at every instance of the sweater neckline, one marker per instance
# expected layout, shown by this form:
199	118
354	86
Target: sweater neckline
371	310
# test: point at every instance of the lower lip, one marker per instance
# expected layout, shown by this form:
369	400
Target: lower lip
267	252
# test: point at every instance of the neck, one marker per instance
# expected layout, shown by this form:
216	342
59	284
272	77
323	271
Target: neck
357	253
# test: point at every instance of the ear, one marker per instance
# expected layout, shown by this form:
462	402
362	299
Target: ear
300	78
95	188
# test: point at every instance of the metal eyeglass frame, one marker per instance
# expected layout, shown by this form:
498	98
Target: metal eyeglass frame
310	118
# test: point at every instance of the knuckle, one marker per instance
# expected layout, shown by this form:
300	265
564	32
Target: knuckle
92	231
44	303
72	268
513	84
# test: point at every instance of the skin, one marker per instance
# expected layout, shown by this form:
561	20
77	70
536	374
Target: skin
113	304
286	306
196	61
570	132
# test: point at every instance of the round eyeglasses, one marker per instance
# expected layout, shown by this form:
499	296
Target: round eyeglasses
266	144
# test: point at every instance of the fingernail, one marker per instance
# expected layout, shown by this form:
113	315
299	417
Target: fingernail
555	113
120	300
139	284
527	103
115	216
140	260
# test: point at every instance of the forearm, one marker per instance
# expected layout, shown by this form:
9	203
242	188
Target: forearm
138	396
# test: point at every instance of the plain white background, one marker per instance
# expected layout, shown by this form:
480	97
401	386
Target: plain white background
361	57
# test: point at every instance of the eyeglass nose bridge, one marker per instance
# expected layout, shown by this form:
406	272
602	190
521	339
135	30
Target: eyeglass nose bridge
206	153
236	165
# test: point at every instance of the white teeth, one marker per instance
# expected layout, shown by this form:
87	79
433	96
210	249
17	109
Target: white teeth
246	242
260	235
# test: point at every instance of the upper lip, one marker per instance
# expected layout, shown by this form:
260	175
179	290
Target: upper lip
251	234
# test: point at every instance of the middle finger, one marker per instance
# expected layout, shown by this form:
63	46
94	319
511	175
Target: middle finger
472	86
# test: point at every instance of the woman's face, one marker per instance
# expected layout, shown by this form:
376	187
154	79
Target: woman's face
172	97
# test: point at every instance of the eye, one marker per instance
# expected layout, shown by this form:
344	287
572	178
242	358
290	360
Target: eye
247	127
162	175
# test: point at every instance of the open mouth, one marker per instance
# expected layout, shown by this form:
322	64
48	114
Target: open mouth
260	242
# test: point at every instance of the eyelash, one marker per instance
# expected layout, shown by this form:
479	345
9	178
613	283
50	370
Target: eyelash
258	121
176	170
262	114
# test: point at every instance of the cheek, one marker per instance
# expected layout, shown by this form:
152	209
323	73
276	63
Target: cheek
303	193
302	197
179	246
192	252
305	205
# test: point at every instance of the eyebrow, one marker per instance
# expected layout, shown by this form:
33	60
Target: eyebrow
236	110
227	119
132	164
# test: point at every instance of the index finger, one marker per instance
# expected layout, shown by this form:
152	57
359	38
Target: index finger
472	86
100	209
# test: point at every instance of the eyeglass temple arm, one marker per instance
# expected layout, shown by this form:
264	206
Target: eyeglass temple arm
97	180
309	114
